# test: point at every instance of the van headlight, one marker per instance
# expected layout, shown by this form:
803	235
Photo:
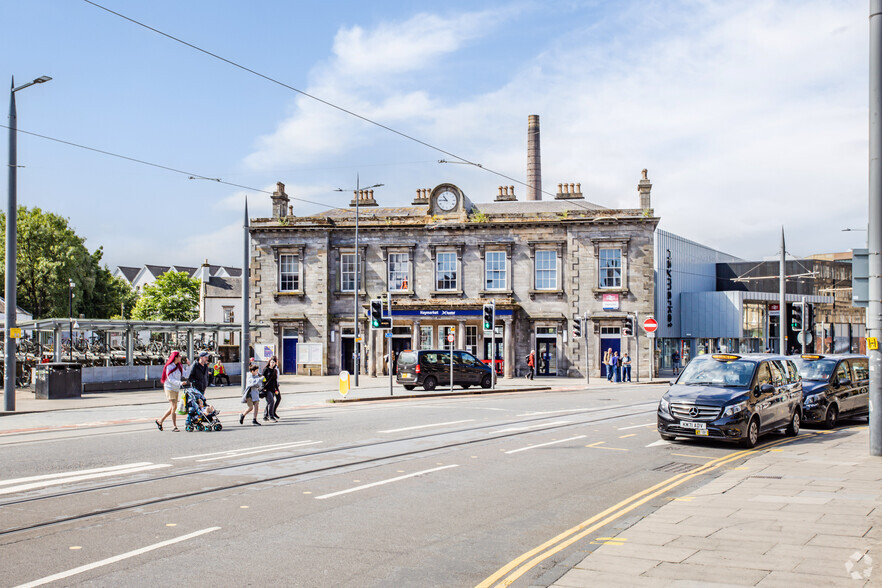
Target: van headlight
664	406
734	409
813	399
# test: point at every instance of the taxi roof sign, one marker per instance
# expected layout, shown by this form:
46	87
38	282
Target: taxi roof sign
725	357
811	356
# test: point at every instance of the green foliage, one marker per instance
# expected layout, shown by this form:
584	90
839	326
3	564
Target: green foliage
174	296
478	216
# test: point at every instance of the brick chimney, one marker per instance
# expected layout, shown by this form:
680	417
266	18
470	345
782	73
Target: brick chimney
534	160
365	198
506	194
280	201
644	186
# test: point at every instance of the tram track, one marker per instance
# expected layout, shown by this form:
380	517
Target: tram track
650	408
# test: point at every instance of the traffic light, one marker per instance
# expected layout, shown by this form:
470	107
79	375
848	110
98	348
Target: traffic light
376	313
808	318
628	327
577	328
488	317
796	317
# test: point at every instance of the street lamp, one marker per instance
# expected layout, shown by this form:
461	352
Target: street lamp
70	317
355	353
11	251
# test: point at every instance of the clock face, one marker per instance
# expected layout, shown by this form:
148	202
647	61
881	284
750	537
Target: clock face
446	200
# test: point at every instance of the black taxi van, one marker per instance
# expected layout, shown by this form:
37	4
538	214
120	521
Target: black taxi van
431	367
834	386
732	397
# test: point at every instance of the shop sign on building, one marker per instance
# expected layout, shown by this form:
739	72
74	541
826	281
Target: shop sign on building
610	302
775	309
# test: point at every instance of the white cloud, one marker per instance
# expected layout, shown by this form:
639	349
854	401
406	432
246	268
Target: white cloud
748	115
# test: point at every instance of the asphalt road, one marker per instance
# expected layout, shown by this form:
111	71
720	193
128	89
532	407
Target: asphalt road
428	492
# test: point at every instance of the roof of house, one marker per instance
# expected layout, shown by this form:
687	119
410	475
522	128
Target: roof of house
129	273
3	309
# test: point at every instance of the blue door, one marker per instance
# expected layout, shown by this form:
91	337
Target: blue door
615	345
289	356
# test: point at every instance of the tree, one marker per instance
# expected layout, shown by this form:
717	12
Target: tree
50	255
174	296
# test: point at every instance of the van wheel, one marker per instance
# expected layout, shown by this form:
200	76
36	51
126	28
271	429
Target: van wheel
486	381
793	427
752	436
430	383
409	387
831	417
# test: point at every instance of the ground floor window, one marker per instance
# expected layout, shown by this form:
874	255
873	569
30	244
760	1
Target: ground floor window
426	337
471	339
443	332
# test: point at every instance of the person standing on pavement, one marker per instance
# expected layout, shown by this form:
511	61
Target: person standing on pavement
251	397
607	362
531	363
271	389
626	367
614	367
675	361
172	372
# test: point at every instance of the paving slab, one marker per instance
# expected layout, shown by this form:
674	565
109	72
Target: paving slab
738	576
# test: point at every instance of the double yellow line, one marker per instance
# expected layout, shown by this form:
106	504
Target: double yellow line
532	558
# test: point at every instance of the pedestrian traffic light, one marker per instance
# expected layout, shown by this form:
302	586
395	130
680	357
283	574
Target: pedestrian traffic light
628	327
577	328
796	317
376	313
488	317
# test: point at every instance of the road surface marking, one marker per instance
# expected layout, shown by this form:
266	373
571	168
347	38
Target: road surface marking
599	443
57	481
382	482
683	499
513	429
74	473
659	443
114	559
628	435
237	449
234	453
545	444
520	565
426	426
637	426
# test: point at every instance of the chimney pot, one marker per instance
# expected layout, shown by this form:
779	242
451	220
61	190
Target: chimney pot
578	188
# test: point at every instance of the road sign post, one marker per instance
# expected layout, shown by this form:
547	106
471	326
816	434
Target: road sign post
450	337
650	325
389	335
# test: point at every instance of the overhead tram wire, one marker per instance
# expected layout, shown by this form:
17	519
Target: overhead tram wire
322	101
190	175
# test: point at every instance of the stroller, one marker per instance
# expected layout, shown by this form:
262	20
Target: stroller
199	418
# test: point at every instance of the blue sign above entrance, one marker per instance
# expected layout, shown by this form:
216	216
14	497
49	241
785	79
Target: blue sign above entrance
445	313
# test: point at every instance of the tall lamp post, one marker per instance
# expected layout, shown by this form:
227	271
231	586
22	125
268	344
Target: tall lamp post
70	288
11	252
355	353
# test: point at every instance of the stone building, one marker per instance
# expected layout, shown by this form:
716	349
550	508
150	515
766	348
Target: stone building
544	262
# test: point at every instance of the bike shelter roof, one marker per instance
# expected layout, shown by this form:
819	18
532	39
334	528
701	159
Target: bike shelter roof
121	325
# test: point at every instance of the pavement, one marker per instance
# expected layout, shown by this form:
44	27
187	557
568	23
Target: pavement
805	512
371	388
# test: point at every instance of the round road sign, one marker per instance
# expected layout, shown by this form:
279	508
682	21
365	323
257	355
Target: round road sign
650	325
450	338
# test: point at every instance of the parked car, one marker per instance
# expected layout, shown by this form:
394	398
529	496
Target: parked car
431	368
732	397
834	386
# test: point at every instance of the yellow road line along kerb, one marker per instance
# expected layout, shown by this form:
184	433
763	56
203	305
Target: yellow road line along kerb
587	527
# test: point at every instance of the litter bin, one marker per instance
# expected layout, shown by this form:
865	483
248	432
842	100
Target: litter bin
59	380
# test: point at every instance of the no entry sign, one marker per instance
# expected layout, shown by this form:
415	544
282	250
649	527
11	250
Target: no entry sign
650	325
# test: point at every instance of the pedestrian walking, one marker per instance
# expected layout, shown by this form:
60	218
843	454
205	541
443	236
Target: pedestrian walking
198	377
172	372
614	367
675	361
531	364
271	389
251	396
607	363
626	367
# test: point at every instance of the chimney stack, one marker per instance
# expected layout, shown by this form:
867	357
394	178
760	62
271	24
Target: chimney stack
280	201
644	186
534	160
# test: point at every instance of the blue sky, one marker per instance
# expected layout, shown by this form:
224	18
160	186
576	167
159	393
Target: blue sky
748	114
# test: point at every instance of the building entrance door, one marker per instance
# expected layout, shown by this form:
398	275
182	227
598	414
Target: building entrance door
346	354
289	355
496	354
546	357
610	339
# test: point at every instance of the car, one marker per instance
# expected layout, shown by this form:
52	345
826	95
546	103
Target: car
431	367
732	397
834	386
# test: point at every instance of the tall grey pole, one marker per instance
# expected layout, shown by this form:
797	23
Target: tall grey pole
804	324
356	348
874	232
587	356
637	343
11	220
492	347
391	362
782	305
244	342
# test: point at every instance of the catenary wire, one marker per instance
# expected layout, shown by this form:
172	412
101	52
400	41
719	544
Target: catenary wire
323	101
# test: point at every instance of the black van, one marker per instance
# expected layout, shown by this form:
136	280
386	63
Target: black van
834	386
731	397
431	367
